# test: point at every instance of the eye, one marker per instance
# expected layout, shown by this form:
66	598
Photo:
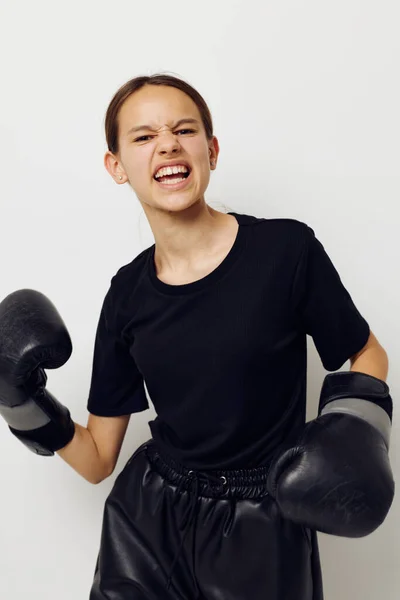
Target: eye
147	136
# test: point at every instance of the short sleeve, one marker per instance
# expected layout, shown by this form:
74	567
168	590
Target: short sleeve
324	308
117	387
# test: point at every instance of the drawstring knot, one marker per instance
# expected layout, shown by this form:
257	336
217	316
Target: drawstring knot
195	477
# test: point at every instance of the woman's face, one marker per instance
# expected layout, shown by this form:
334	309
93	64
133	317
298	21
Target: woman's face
143	151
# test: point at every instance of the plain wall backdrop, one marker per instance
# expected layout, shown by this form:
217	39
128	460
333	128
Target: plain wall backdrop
305	100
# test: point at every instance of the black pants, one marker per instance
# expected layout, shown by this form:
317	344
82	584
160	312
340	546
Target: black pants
171	533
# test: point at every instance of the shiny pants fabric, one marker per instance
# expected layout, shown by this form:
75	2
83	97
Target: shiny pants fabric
170	533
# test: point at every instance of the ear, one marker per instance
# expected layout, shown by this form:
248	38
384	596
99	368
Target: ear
114	168
213	149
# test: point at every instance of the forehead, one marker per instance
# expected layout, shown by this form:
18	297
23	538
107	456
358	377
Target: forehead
157	106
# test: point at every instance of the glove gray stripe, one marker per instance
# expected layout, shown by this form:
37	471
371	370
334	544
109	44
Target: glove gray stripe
363	409
24	417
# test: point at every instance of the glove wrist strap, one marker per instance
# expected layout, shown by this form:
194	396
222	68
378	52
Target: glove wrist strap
362	409
359	395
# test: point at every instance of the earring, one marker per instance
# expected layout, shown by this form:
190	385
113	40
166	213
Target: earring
120	176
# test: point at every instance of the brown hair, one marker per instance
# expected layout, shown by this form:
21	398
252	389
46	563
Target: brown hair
133	85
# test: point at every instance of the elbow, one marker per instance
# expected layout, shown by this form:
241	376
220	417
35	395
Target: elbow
101	477
96	481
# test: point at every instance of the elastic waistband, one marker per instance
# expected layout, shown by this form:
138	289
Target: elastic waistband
239	483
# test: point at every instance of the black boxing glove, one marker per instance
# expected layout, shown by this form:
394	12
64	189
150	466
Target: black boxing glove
336	476
33	336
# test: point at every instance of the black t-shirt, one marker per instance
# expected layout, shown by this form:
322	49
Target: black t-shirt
224	358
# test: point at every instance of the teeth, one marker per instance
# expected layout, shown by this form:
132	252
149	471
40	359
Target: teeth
174	181
171	171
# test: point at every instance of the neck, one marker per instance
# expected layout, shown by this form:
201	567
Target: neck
183	238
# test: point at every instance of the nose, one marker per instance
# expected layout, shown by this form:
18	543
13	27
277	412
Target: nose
168	142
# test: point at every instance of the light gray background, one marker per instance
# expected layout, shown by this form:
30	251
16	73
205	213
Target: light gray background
305	98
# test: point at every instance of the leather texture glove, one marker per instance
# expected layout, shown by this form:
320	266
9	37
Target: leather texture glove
33	336
336	476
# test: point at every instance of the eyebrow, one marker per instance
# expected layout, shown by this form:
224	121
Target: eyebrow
140	127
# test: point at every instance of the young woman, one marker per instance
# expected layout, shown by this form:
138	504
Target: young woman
224	500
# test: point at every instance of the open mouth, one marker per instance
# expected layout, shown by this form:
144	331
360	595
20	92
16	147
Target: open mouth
174	181
173	176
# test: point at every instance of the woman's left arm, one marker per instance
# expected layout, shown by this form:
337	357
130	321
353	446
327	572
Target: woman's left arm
372	359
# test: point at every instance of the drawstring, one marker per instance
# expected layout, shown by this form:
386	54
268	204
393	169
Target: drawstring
190	512
253	480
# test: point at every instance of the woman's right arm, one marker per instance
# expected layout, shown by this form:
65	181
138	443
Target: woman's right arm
94	450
